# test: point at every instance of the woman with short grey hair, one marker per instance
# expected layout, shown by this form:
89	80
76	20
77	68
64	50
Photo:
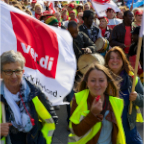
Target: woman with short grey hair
12	57
24	104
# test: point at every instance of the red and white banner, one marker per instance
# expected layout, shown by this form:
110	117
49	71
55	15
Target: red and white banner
50	59
142	27
101	6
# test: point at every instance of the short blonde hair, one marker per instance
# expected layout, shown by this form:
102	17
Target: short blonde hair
37	5
134	10
123	8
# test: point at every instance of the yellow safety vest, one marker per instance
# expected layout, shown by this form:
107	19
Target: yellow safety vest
82	110
139	117
3	140
48	123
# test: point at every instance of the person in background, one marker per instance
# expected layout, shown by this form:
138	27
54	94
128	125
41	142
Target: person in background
18	6
58	8
111	17
123	8
64	16
133	51
137	18
44	16
119	15
58	16
6	1
13	2
52	20
96	109
105	31
33	3
86	6
72	16
88	28
117	62
26	3
135	9
23	7
81	42
81	45
38	11
70	8
49	6
79	8
96	21
56	3
28	110
64	4
80	20
121	34
28	12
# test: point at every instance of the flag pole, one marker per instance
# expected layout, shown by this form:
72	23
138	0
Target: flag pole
136	69
3	113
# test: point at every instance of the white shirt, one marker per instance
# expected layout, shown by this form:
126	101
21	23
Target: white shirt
113	22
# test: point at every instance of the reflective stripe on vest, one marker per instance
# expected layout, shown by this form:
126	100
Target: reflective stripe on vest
117	106
49	126
132	75
82	110
139	117
3	140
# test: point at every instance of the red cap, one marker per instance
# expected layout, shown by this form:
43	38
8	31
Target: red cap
109	8
34	1
71	12
71	5
104	18
138	12
64	9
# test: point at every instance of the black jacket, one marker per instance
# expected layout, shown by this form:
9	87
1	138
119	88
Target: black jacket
118	36
82	41
107	34
127	85
35	135
94	32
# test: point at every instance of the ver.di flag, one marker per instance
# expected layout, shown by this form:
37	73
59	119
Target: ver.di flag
50	59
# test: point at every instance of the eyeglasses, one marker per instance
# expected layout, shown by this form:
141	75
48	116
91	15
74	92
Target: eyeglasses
10	72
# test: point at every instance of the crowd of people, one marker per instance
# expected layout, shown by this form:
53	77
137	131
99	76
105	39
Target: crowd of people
100	98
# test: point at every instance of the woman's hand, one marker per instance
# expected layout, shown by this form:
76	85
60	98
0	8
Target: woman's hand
96	107
133	96
4	129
